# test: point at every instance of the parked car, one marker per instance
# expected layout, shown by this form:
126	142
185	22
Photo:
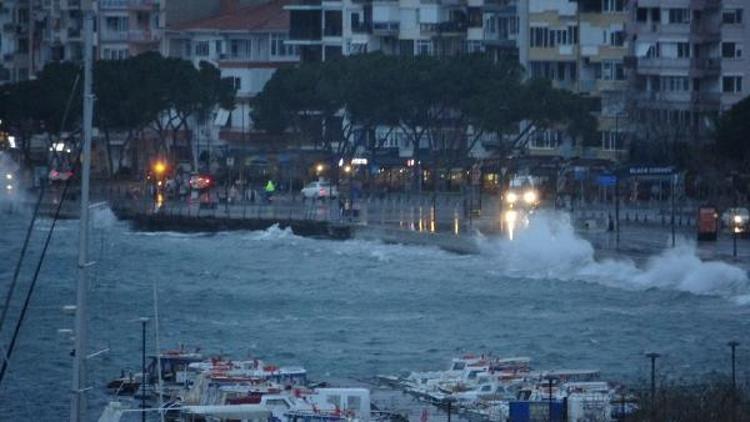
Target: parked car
320	189
736	219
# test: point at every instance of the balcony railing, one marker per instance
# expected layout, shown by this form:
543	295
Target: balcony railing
451	27
114	36
362	28
332	31
142	36
385	27
70	4
127	4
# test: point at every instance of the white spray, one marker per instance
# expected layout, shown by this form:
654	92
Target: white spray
550	248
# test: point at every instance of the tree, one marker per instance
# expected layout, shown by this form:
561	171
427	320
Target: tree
49	104
733	134
442	107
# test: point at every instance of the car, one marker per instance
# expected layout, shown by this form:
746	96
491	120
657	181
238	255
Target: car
736	220
201	182
320	189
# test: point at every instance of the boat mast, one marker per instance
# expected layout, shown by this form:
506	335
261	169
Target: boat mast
78	400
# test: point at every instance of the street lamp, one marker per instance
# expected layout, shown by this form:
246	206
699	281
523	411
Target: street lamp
653	356
736	222
733	344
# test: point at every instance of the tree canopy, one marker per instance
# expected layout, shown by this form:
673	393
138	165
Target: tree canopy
733	133
442	105
145	92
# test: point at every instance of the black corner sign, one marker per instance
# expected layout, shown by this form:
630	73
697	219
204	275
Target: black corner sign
650	171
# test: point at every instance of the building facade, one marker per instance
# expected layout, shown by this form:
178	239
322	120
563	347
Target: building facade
247	44
688	65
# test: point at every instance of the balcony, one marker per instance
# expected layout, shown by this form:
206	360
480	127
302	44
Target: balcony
127	4
659	65
453	27
332	31
710	65
74	33
304	5
114	36
70	4
362	28
385	28
142	36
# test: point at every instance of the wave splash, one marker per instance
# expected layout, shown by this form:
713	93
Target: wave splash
550	248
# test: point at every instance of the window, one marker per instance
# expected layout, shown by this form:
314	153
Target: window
610	6
611	71
240	48
730	50
731	84
617	38
424	47
683	50
642	14
546	140
219	47
679	15
279	48
474	46
611	141
201	48
353	402
675	83
237	83
545	37
732	16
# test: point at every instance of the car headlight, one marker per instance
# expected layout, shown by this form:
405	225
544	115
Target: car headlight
529	197
511	197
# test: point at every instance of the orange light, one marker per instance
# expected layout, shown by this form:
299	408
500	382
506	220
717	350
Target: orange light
160	167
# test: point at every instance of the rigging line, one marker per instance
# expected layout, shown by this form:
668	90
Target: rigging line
17	270
25	307
29	231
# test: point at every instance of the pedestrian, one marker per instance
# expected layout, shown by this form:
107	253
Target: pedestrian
270	189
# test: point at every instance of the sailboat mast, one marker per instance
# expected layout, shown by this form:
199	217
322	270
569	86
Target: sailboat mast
78	401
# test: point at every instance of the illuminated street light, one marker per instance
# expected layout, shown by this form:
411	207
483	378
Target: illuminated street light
347	168
160	167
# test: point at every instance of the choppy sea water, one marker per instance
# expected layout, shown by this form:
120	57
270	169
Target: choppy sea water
354	309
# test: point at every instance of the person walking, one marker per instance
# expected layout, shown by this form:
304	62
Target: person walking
270	189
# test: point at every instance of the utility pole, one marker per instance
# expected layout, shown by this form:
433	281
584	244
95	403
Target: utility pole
78	400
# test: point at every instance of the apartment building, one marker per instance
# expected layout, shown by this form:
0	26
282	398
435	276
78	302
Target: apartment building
20	39
688	64
127	28
324	29
247	44
581	46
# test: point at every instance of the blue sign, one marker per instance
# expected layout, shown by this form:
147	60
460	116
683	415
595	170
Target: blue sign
651	171
606	180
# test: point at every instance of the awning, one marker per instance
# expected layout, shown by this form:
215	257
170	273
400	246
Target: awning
641	48
222	117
